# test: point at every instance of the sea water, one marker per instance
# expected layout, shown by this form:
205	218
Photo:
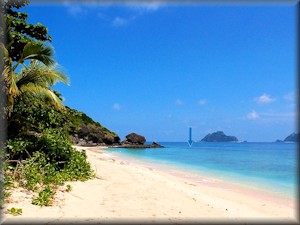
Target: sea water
269	166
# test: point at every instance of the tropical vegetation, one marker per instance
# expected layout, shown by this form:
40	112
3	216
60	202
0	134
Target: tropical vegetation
38	152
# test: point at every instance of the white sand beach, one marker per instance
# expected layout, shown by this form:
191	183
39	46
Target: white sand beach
125	191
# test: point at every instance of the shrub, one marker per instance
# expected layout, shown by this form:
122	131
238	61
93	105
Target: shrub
53	161
45	197
55	145
17	148
77	168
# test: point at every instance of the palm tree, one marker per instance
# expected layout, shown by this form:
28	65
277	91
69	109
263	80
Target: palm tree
35	79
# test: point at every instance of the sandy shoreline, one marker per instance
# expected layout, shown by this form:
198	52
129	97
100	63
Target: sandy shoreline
125	191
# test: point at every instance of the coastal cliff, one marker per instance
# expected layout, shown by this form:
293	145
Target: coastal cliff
84	131
219	136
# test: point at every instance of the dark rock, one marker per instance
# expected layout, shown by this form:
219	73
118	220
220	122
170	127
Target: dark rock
93	135
294	137
278	140
122	145
155	145
109	139
219	136
134	138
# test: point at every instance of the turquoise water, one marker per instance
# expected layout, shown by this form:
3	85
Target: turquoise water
270	166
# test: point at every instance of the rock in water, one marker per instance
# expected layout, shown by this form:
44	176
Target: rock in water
155	145
134	138
219	136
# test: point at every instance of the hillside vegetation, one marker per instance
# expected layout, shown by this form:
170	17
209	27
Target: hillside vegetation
38	153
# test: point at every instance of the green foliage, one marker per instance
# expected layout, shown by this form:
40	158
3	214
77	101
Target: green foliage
79	119
69	188
55	145
35	80
19	31
77	167
17	146
38	146
14	211
32	171
33	114
52	161
45	197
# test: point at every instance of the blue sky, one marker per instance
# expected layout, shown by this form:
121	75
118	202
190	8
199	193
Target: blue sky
158	69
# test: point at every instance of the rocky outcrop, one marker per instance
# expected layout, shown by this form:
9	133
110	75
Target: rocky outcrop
84	131
92	135
294	137
219	136
155	145
134	140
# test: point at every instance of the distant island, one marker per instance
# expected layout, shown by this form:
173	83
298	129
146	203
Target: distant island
219	136
293	137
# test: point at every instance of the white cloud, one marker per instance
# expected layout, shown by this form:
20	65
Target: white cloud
202	102
75	10
264	99
273	117
145	6
137	9
252	115
179	102
116	106
118	21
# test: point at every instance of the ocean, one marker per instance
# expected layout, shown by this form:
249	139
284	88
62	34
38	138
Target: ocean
268	166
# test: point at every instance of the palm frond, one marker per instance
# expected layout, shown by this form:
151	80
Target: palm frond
42	92
33	80
37	51
41	75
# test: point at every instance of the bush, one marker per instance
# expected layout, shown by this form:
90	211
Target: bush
55	145
77	167
53	161
17	147
45	197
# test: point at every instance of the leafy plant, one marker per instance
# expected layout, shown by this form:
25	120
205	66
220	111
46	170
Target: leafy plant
69	188
18	30
38	150
45	197
17	146
14	211
53	161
